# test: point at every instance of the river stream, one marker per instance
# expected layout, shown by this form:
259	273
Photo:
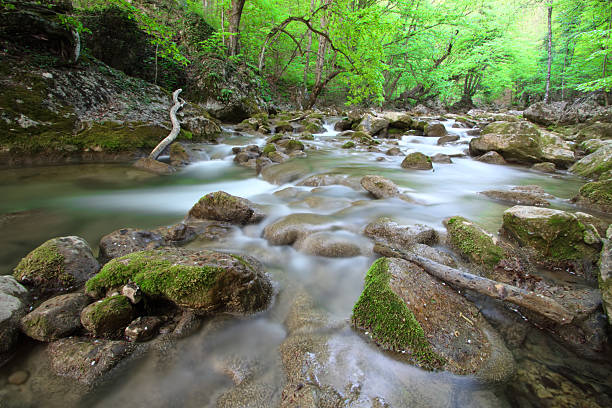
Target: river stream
94	199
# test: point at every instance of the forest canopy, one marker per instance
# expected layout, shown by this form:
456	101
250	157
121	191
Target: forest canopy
397	52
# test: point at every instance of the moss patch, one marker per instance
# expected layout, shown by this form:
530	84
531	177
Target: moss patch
269	148
473	243
392	324
181	284
44	266
348	145
599	192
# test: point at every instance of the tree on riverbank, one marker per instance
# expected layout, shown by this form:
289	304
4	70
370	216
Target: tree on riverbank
397	52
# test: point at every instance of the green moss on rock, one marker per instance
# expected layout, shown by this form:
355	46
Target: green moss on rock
107	316
599	192
294	145
43	263
269	148
472	242
392	324
348	145
181	284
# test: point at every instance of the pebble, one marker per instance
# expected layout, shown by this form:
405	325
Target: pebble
18	377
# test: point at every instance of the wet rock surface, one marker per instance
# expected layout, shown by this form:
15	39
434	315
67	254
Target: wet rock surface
216	281
58	264
406	310
55	318
527	195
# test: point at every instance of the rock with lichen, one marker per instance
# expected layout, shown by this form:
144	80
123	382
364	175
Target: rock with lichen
221	206
407	311
204	281
55	318
106	317
595	196
379	186
86	360
556	237
417	161
472	242
58	264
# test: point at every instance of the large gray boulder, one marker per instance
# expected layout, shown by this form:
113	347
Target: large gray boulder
545	114
595	164
379	186
13	297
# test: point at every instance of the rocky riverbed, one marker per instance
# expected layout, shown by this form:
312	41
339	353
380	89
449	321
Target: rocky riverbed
298	261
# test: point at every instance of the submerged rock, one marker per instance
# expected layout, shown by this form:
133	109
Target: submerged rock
441	158
417	161
595	196
329	244
447	139
400	236
154	166
289	229
407	311
205	281
379	187
221	206
106	317
557	236
320	180
520	195
86	360
58	264
55	318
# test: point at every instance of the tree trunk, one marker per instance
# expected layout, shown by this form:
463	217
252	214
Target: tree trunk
605	62
234	27
176	126
535	302
547	92
308	49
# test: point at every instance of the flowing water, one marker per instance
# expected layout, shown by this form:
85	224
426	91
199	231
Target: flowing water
93	200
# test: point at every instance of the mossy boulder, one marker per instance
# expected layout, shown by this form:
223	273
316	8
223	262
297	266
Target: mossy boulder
283	126
364	138
179	156
307	136
205	281
55	318
545	167
269	148
557	236
373	125
596	196
58	264
417	161
294	146
221	206
154	166
106	317
518	142
407	311
595	164
86	360
472	242
348	145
